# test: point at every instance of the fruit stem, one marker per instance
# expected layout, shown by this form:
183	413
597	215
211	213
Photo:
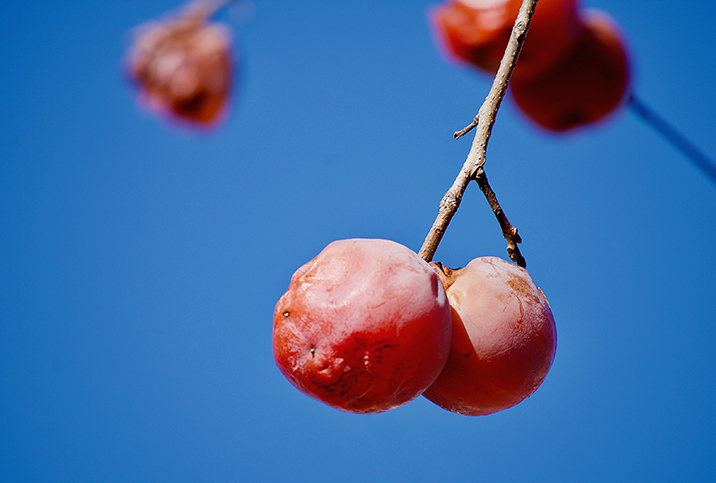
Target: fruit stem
488	112
508	231
668	132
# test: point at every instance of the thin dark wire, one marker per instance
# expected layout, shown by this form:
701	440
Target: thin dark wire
693	153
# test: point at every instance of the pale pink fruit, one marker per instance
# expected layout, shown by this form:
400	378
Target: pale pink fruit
503	339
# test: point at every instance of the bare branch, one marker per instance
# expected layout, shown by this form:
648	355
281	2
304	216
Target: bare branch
487	114
668	132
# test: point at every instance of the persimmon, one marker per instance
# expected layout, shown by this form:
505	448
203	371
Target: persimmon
503	338
364	327
585	86
183	66
477	32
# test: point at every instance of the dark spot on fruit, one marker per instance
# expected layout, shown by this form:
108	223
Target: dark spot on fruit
286	313
570	119
194	104
313	351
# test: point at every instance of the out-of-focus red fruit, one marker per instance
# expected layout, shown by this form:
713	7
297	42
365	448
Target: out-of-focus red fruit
477	32
364	327
586	86
183	66
503	338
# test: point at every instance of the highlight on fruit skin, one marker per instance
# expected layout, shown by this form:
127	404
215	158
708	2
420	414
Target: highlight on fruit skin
583	88
183	66
476	32
504	338
364	327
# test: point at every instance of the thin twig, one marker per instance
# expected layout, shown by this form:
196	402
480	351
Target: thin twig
468	128
487	114
669	133
508	231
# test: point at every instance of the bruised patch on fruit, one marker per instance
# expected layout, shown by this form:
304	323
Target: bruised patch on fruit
356	379
522	288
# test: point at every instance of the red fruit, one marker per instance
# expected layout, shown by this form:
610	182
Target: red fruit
587	85
364	327
477	32
503	338
183	67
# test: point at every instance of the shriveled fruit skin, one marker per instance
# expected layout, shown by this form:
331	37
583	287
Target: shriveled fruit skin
477	32
183	67
503	340
364	327
585	87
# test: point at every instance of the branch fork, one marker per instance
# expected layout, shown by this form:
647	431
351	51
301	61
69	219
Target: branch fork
472	169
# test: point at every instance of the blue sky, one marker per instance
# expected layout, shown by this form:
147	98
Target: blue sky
140	264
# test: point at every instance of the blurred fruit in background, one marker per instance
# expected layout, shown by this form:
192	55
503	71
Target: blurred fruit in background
183	66
585	86
573	69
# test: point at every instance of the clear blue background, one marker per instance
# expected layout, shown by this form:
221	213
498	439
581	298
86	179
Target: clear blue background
140	264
